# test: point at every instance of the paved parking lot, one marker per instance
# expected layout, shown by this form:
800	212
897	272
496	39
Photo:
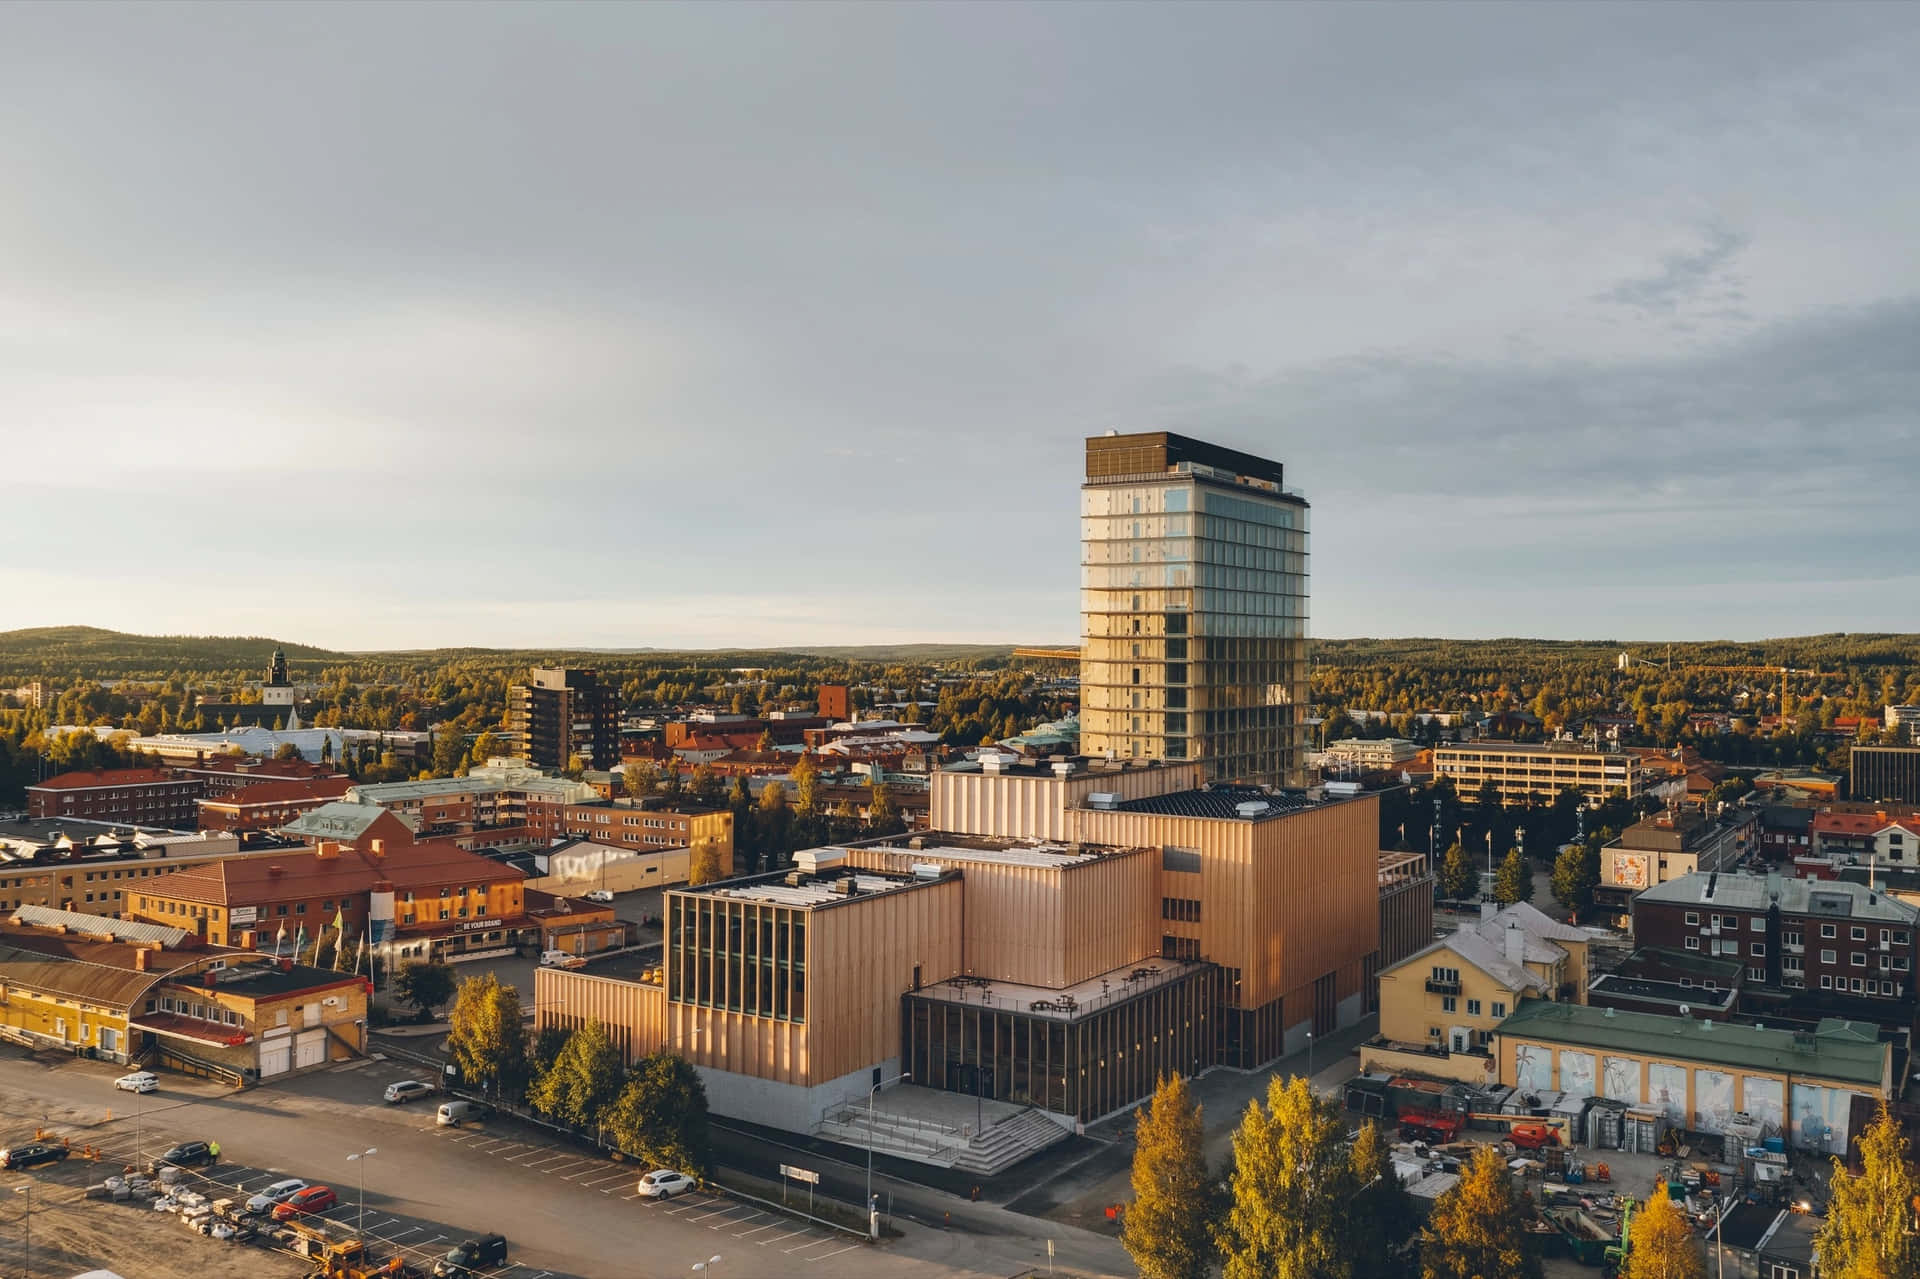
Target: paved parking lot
739	1220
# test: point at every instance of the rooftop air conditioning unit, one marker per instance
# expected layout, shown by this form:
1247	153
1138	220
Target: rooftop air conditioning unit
925	870
1106	801
1251	808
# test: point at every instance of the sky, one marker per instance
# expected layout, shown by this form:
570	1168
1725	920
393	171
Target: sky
385	326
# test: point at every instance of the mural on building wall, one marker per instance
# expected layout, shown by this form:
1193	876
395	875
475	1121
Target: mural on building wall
1576	1074
1712	1100
1760	1098
1620	1079
1532	1068
1667	1089
1630	870
1820	1118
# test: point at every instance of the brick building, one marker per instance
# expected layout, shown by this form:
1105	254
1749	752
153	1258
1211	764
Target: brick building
560	713
268	805
138	796
226	773
1791	934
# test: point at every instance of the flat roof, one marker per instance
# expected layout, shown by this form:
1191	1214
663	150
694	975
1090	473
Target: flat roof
1065	1002
1826	898
1531	748
816	891
1225	801
1841	1050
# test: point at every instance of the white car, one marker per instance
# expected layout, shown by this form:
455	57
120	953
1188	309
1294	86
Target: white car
138	1081
600	895
278	1193
664	1184
561	959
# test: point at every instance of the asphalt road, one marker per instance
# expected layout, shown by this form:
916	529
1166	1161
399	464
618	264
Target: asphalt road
567	1213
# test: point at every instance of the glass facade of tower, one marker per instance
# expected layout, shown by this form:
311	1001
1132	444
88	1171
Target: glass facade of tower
1193	608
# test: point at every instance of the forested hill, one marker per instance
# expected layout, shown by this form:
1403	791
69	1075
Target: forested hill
73	652
1832	652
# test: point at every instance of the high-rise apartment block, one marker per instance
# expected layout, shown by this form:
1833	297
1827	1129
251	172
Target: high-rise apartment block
1193	608
561	712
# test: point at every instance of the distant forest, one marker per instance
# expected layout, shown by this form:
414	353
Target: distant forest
1833	692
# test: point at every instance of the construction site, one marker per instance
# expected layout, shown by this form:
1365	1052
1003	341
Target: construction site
1585	1165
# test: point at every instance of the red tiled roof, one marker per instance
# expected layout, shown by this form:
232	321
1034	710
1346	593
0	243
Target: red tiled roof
242	881
285	792
1861	823
110	777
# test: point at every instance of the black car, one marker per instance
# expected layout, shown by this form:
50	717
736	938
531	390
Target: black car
488	1250
188	1154
29	1153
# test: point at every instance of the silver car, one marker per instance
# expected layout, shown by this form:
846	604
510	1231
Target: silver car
278	1193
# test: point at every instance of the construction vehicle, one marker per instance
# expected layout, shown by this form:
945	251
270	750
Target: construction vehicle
1533	1135
314	1241
1614	1260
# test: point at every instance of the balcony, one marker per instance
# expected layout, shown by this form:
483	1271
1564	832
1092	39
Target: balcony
1437	987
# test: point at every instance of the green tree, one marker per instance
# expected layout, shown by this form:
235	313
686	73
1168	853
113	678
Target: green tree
1512	882
806	779
485	1037
485	747
660	1116
1457	875
703	863
1289	1189
424	984
1869	1232
449	751
1167	1229
1381	1220
286	750
1576	871
1477	1229
1662	1245
707	786
882	814
583	1081
546	1049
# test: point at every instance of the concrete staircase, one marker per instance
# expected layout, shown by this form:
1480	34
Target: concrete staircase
984	1154
1007	1143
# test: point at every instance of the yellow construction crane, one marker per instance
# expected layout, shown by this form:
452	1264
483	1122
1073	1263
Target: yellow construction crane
1048	654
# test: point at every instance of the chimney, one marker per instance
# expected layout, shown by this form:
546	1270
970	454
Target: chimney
327	850
140	960
1516	944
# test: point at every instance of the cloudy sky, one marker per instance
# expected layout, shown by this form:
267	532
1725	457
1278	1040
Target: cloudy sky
381	326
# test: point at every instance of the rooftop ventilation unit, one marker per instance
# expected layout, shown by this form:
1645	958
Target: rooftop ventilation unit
1252	808
815	860
925	870
1104	800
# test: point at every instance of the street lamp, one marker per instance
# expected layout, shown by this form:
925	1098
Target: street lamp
707	1265
899	1078
27	1190
1309	1061
360	1228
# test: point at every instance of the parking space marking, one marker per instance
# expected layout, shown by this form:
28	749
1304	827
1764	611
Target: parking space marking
744	1220
615	1176
799	1247
771	1225
849	1248
723	1212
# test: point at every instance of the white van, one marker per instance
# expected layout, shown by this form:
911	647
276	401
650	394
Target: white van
452	1113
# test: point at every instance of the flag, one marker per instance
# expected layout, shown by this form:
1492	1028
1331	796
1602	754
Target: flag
360	954
340	921
299	938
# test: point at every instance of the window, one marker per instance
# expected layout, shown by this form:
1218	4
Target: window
1826	930
1857	983
1499	1009
1448	1003
1693	917
1693	943
1829	957
1857	959
1757	923
1473	1008
1756	974
1826	982
1446	974
1899	938
1757	949
1859	933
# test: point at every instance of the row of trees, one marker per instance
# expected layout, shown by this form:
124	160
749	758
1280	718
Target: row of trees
1298	1201
654	1110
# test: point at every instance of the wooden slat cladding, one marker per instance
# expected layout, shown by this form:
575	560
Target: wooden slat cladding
861	957
634	1013
1046	926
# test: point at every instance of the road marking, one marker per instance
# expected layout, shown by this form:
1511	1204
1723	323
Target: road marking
727	1211
744	1220
810	1243
546	1159
778	1238
592	1167
749	1234
410	1230
849	1248
616	1176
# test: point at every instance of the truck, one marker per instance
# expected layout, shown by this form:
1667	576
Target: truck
1435	1127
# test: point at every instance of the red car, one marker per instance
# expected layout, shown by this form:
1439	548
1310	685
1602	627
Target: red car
312	1199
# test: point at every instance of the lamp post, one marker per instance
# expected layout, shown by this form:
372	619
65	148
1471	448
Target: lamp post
870	1092
1309	1061
706	1267
26	1268
360	1227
